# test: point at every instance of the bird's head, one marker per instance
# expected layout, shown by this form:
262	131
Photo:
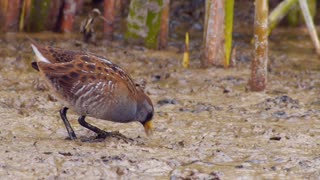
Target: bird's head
145	112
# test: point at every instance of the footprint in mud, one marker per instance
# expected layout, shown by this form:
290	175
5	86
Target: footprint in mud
166	101
198	107
232	80
108	159
110	137
193	107
279	102
191	173
283	107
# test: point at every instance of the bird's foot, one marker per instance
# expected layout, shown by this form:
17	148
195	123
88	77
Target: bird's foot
71	137
116	134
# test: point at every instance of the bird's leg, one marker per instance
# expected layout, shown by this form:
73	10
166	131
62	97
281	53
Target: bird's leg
101	133
63	114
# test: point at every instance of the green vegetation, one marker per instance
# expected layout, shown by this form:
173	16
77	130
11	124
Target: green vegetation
229	8
40	10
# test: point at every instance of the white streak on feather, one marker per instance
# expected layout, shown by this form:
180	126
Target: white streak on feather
98	85
96	101
40	57
119	69
105	60
88	92
80	90
81	102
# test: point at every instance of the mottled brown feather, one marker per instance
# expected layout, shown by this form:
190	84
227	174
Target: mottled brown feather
64	76
88	61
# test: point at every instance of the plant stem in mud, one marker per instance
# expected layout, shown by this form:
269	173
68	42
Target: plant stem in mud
164	27
9	15
295	16
40	15
109	15
153	23
309	22
213	40
144	21
186	57
279	12
229	8
69	11
258	79
25	13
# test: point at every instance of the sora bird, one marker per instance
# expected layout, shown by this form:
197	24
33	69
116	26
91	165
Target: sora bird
92	86
86	26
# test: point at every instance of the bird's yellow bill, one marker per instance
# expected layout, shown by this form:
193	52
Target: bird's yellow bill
148	128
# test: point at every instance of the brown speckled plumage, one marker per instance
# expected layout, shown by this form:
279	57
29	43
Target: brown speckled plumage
92	86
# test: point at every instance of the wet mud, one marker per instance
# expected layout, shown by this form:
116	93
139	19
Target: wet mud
207	125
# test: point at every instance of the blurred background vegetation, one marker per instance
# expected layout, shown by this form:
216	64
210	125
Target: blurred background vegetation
156	24
184	16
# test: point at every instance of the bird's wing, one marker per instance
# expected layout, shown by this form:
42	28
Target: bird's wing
75	78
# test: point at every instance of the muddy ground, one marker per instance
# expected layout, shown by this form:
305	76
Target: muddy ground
207	125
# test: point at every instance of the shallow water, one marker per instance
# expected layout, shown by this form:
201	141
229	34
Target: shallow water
206	124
